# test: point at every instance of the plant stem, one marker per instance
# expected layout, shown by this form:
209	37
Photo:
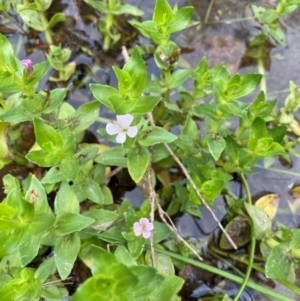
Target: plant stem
214	270
167	76
105	120
186	173
107	38
44	21
287	172
208	11
252	243
261	70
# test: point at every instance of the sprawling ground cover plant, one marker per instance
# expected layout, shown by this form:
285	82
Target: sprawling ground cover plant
67	211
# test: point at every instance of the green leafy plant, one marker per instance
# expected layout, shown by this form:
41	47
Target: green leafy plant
108	24
33	16
209	134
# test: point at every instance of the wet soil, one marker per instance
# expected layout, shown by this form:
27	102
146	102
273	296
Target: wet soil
222	39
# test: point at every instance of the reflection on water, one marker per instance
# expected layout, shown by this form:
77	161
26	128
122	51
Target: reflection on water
224	39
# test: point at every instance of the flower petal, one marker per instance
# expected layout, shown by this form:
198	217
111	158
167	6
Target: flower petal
27	63
125	120
112	129
132	131
121	137
144	221
146	234
137	229
149	227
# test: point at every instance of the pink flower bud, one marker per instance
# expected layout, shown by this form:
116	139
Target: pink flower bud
28	65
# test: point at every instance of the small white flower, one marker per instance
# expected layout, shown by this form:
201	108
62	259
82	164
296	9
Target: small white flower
144	227
123	128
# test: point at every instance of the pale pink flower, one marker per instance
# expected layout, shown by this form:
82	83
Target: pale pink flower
123	128
143	227
27	63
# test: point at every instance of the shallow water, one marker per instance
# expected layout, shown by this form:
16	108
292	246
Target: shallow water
223	40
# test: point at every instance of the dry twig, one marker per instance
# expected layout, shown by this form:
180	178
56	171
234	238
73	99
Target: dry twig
186	173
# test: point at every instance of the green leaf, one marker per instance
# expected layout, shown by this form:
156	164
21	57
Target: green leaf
295	241
39	71
154	135
43	158
102	260
69	167
98	6
101	287
105	94
129	9
23	287
159	153
85	116
206	110
124	105
66	250
15	217
216	145
66	200
248	84
268	16
136	246
161	232
46	136
29	247
54	293
7	84
162	14
136	67
15	114
124	80
92	190
211	189
145	104
190	128
260	108
58	17
179	77
265	147
279	264
41	222
53	175
239	230
262	223
232	148
36	195
277	34
149	280
45	269
7	56
5	154
232	108
258	130
67	222
167	290
10	182
277	133
164	262
103	218
56	97
123	256
116	274
137	162
181	20
31	16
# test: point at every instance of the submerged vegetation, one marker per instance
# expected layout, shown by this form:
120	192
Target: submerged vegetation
182	144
